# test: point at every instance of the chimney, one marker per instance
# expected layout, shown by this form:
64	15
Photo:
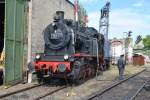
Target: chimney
60	14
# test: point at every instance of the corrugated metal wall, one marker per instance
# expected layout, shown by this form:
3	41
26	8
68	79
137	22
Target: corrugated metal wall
14	38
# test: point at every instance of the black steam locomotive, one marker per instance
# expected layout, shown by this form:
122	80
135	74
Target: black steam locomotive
71	53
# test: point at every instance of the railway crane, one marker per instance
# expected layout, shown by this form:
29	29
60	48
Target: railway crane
104	29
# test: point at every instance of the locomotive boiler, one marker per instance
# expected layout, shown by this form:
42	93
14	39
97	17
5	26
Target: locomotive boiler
70	53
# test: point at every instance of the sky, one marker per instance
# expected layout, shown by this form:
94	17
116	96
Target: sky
125	15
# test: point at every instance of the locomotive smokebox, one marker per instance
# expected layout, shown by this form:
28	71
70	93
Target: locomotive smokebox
60	15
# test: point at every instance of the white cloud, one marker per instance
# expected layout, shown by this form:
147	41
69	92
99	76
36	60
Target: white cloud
138	4
94	19
126	19
123	20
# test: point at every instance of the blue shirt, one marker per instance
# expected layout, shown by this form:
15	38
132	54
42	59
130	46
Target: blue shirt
121	63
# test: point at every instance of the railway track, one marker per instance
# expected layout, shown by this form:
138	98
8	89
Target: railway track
126	89
144	93
138	91
36	92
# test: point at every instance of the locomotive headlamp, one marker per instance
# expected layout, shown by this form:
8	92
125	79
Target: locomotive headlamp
66	57
61	68
38	57
53	24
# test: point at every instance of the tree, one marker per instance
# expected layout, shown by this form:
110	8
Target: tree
82	16
146	42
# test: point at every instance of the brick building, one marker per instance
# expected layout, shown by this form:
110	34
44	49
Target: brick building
41	13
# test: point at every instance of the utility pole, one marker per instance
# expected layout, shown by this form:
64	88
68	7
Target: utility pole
76	13
127	41
29	39
104	29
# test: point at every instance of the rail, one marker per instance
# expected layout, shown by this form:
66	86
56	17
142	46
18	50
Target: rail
110	87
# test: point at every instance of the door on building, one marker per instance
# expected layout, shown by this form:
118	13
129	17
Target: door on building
14	37
2	17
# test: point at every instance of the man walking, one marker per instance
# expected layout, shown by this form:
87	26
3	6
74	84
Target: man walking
121	66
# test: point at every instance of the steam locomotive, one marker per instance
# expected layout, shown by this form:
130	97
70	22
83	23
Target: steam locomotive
71	53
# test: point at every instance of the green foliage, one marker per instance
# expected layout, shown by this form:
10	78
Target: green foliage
82	15
146	42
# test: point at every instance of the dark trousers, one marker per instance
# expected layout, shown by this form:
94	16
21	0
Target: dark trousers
121	72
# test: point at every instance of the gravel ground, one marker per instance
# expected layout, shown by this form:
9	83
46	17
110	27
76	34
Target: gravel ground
33	93
85	89
8	89
91	86
127	89
145	93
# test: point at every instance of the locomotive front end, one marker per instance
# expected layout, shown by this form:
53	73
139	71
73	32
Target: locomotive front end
53	68
55	61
